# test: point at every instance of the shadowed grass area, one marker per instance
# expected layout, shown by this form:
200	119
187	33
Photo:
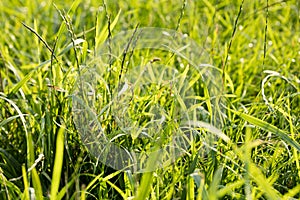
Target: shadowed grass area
254	151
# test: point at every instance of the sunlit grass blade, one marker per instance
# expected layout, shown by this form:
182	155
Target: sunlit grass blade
102	36
129	183
15	89
145	186
262	182
58	164
63	191
190	188
12	191
214	187
291	193
123	195
37	184
268	127
26	183
9	119
230	188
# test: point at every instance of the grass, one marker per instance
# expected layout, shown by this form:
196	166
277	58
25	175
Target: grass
247	145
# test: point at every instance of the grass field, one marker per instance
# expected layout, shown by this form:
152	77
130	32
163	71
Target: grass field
248	147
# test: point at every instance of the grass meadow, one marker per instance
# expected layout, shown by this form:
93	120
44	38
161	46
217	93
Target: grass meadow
251	151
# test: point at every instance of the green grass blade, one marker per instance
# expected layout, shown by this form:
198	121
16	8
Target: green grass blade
102	36
30	149
129	182
117	189
145	186
15	89
26	185
230	187
292	192
58	162
63	191
37	184
268	127
91	183
9	119
9	159
190	188
213	189
262	182
9	186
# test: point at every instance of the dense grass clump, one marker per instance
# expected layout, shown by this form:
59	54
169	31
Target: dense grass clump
247	146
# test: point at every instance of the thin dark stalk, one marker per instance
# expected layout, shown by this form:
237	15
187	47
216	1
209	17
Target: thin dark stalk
52	56
109	45
109	36
68	23
181	14
266	31
69	26
131	52
2	65
41	39
125	54
262	9
109	31
232	35
178	23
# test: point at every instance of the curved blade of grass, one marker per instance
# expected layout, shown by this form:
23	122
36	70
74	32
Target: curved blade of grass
129	182
30	149
26	185
91	183
22	83
63	191
58	162
9	159
111	175
100	179
190	188
213	189
268	127
230	187
74	6
9	186
15	89
117	189
37	184
145	186
9	119
262	182
292	192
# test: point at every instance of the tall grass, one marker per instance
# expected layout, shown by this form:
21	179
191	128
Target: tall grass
255	153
